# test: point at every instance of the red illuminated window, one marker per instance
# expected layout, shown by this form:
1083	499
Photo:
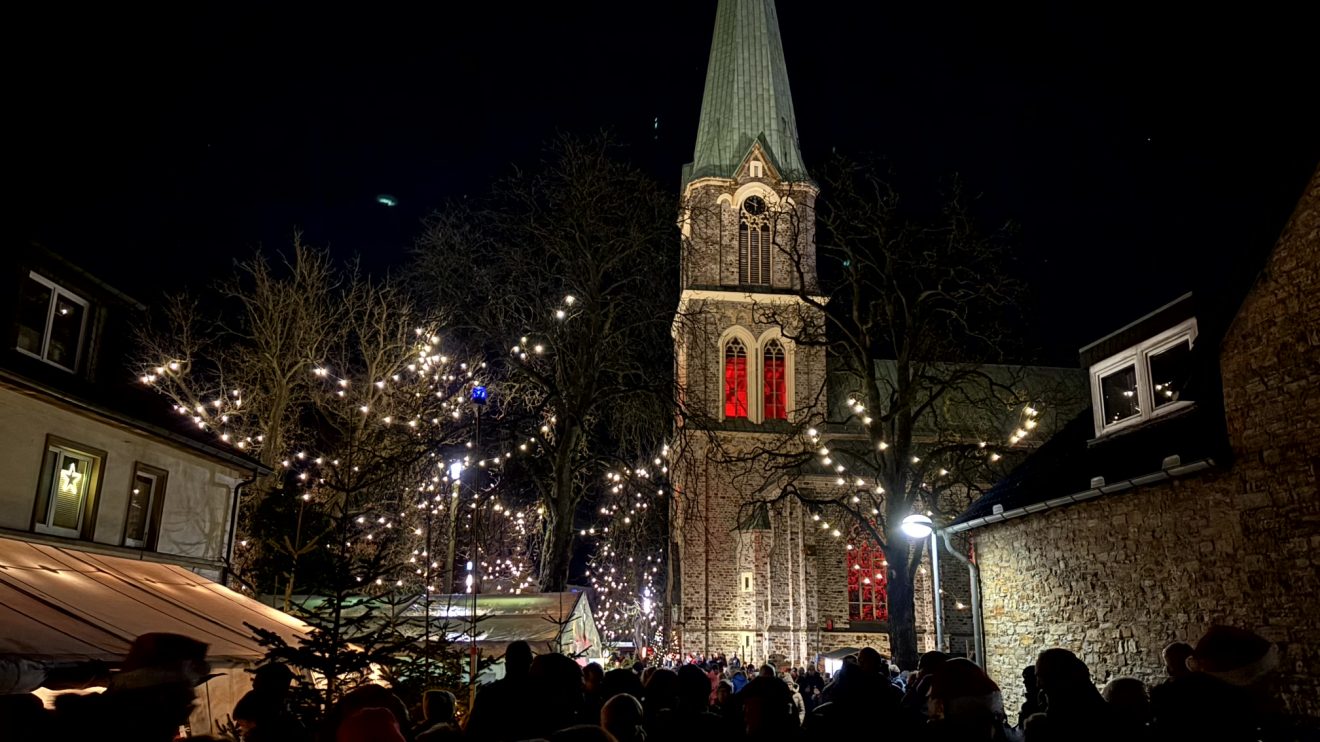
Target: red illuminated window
776	395
868	580
735	379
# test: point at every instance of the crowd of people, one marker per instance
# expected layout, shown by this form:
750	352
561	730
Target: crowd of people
1218	689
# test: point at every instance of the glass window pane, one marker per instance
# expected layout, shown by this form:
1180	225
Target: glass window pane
1118	391
33	310
1169	370
139	508
735	379
48	466
71	483
776	407
65	332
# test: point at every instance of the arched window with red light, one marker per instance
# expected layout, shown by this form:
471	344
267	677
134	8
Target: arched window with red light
775	382
735	379
868	579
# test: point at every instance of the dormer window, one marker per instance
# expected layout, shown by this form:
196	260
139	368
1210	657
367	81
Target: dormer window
756	169
51	322
1144	381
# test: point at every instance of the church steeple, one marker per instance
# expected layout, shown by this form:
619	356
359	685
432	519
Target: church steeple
747	97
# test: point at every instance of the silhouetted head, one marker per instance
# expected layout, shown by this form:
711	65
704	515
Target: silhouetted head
693	688
1062	674
1175	659
1029	678
870	660
931	661
622	717
438	706
273	678
517	659
765	703
1127	698
592	677
619	681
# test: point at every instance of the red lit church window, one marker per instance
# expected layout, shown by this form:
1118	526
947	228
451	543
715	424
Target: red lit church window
735	379
776	396
868	596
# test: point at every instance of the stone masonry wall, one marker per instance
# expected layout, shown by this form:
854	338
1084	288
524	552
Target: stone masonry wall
1116	578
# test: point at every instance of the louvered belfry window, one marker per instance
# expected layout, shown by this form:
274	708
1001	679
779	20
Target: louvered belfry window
754	243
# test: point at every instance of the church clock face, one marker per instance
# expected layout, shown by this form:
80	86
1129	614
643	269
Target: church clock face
754	205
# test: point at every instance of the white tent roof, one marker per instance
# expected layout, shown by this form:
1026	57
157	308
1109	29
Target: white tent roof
62	604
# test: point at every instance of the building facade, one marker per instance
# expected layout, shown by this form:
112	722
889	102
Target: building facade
89	461
1188	496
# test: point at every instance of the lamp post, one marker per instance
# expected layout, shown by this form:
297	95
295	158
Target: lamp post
479	396
919	526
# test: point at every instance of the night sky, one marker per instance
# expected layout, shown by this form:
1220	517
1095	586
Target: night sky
1141	152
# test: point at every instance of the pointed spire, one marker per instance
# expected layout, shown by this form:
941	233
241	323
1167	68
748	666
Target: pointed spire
747	97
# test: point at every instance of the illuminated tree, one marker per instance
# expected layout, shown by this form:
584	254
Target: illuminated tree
566	275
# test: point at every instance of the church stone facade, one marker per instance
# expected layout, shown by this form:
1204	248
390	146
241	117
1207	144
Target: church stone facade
761	581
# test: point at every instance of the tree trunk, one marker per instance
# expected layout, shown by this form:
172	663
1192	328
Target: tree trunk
902	606
556	551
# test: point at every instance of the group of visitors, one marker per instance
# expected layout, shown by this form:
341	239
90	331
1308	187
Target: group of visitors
1218	689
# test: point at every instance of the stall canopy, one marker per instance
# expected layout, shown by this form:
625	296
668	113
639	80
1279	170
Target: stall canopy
59	604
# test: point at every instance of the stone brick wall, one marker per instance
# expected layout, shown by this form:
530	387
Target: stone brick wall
1116	578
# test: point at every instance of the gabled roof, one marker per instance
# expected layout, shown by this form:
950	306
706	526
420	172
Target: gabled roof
747	97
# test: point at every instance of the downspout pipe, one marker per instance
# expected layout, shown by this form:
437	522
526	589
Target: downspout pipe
978	628
233	526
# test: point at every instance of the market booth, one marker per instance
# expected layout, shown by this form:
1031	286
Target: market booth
60	606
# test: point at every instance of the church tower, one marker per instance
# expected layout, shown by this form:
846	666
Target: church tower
742	578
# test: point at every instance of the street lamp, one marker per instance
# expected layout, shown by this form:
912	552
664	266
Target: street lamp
918	526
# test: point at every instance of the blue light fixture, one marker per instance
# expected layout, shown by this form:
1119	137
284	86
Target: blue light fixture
479	395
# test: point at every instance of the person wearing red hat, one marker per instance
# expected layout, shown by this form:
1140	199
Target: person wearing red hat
371	724
1228	694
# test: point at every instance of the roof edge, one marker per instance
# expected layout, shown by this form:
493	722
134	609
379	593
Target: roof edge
1176	472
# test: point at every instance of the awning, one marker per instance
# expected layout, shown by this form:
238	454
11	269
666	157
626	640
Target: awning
840	654
59	604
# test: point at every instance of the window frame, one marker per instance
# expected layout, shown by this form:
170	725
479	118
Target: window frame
56	291
1139	357
765	348
879	589
151	530
748	365
92	499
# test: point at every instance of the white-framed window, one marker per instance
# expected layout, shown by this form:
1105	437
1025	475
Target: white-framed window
756	169
746	582
145	497
1145	381
67	489
51	322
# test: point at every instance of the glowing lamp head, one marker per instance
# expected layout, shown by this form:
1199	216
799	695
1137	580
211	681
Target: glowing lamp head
917	526
479	395
455	470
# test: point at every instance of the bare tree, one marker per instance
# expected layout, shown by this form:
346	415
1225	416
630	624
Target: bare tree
567	274
917	420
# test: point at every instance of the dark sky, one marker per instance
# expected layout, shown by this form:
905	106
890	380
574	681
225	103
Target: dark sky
1141	151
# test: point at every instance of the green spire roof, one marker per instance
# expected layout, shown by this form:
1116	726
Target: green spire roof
747	97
